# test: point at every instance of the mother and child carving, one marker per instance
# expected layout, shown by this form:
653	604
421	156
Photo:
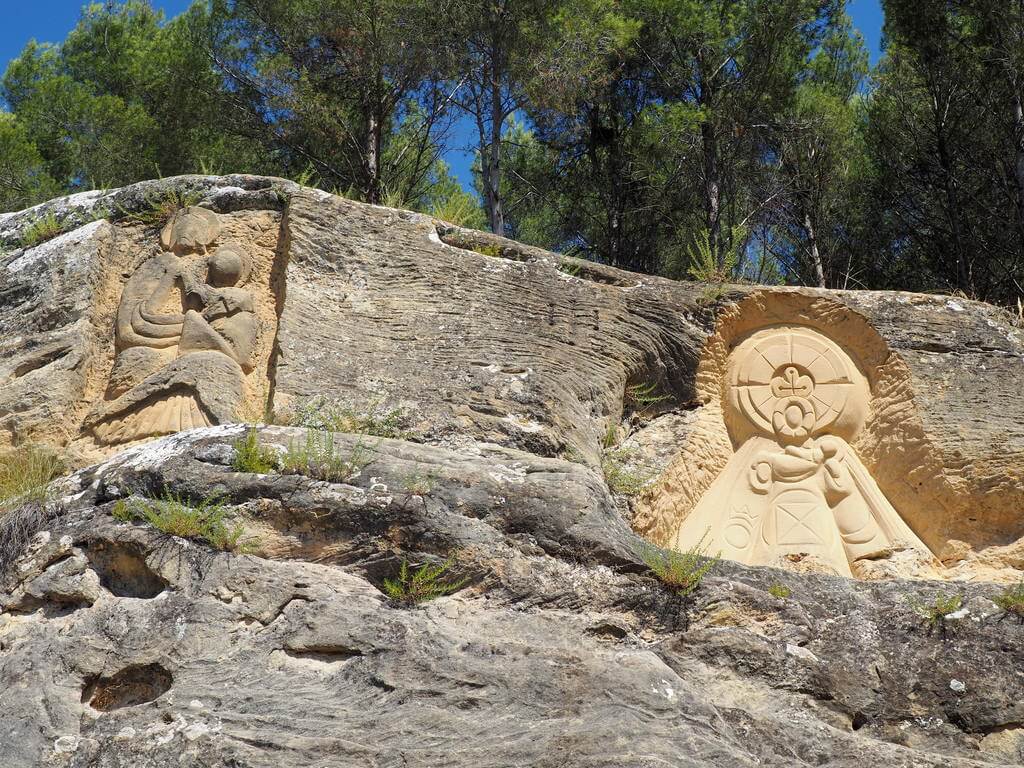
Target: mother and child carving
185	336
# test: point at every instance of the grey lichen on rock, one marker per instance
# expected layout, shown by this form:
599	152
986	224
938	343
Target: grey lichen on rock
139	344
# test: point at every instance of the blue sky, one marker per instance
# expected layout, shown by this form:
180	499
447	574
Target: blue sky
50	21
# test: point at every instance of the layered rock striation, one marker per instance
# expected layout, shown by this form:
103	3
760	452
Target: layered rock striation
809	436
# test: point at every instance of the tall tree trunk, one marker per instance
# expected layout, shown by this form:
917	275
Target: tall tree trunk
712	193
497	120
812	243
606	158
712	178
963	273
1018	158
374	138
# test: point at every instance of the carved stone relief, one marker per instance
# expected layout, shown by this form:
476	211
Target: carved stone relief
185	336
794	400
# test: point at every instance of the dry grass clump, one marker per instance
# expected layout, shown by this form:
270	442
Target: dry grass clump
170	514
25	474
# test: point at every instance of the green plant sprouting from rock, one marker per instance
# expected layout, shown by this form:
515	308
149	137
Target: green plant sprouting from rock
779	591
681	571
1011	601
206	521
159	208
318	457
622	475
418	483
376	418
570	266
46	227
644	395
934	615
250	456
427	582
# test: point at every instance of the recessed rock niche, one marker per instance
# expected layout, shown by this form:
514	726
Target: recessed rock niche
190	333
793	403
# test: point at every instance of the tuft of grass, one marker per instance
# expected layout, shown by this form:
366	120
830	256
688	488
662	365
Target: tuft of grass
620	478
1011	601
460	210
19	526
418	483
44	228
307	177
159	209
681	571
572	453
376	418
170	514
571	267
610	436
780	591
427	582
488	250
644	395
250	456
25	474
318	458
933	615
712	293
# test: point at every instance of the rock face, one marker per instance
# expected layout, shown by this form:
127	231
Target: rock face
125	647
828	434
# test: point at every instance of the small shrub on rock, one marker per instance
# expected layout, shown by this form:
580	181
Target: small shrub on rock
206	522
318	458
1011	601
418	483
39	231
377	418
159	208
644	396
780	591
427	582
250	456
682	571
622	477
934	615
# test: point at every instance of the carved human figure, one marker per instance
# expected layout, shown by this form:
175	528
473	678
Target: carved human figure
795	486
183	345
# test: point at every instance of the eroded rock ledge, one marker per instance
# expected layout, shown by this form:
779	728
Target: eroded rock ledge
122	646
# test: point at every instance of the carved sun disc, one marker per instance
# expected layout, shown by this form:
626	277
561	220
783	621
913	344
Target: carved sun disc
787	364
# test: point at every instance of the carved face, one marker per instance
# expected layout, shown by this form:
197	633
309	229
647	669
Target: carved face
190	230
792	384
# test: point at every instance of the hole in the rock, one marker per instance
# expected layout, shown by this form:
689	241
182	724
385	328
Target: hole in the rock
607	631
860	720
123	571
131	686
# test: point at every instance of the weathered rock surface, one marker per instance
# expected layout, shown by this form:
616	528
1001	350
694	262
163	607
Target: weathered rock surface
522	373
120	646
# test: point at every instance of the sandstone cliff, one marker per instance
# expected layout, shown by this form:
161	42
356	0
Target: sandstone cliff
524	381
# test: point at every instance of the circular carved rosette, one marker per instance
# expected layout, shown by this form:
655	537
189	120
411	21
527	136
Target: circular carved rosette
795	383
